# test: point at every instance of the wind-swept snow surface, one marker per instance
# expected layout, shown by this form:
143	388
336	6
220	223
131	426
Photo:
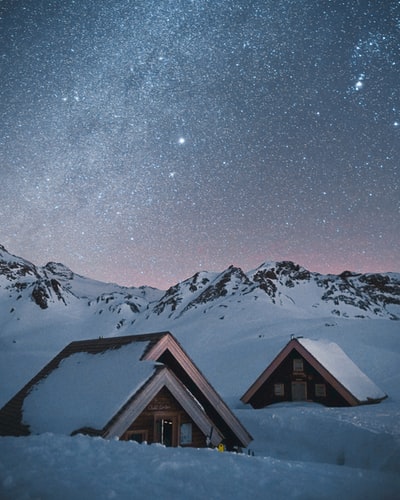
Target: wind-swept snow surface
51	466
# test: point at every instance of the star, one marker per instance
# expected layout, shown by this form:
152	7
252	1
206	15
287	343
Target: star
359	85
139	141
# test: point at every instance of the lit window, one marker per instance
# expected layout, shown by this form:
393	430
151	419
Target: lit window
297	365
279	389
320	390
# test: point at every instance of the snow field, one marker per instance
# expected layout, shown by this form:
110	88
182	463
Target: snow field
53	466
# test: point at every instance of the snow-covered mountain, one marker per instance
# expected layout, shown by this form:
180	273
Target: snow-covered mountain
289	286
232	324
283	284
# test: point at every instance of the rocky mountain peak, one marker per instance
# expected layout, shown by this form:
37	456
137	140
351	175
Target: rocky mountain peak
283	284
58	269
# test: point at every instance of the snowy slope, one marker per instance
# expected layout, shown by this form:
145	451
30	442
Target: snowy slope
232	324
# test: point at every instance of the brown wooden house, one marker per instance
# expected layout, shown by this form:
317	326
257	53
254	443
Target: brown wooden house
312	370
140	387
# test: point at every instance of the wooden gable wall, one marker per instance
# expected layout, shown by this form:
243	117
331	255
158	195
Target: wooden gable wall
164	406
235	436
285	374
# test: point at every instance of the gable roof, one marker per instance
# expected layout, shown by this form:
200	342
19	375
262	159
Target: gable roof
334	366
99	384
93	386
163	378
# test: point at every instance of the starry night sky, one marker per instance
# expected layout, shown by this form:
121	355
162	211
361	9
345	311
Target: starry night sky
143	141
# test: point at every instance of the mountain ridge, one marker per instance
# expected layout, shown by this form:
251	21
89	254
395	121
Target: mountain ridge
281	284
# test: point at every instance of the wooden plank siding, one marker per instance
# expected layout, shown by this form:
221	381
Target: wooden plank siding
170	352
164	405
280	370
284	374
163	379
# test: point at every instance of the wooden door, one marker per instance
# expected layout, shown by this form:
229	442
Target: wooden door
166	429
299	391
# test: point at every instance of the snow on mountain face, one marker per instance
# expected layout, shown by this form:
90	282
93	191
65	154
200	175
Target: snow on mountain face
348	294
281	284
23	279
55	283
290	286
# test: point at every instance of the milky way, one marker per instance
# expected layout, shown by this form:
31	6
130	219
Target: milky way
142	141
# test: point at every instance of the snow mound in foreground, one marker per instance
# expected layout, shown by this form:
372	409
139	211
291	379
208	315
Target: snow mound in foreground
53	466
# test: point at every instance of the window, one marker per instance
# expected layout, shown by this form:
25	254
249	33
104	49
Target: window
298	365
320	390
165	430
279	389
186	434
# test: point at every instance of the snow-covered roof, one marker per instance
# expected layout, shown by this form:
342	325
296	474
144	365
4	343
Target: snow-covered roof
345	371
100	386
86	390
333	365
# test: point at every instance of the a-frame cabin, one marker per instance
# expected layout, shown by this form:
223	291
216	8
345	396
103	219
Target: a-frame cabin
312	370
139	387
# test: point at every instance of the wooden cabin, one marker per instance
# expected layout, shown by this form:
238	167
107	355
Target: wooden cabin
312	370
141	387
